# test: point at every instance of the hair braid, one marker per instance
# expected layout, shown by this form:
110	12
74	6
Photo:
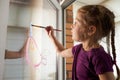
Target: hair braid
108	43
114	52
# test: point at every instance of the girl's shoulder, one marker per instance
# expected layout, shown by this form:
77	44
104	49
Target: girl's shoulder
101	60
99	53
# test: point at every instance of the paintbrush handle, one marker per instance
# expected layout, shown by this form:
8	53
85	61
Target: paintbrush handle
45	27
38	26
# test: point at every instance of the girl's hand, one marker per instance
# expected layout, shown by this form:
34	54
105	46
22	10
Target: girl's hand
49	30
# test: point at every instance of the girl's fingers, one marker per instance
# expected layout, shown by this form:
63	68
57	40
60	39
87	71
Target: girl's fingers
48	28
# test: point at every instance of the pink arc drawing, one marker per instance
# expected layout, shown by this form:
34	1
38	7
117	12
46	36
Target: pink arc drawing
31	39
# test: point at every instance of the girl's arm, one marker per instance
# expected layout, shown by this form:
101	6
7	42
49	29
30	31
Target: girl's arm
13	54
107	76
58	46
16	54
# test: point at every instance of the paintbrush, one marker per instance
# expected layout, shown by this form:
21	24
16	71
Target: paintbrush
44	27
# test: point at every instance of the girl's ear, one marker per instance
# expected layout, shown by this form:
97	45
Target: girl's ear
91	30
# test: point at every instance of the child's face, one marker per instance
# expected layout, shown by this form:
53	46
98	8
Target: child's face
79	32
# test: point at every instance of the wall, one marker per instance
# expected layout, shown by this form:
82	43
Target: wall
4	8
14	68
18	20
117	43
69	41
19	15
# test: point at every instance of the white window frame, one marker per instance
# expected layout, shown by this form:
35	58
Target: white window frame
61	64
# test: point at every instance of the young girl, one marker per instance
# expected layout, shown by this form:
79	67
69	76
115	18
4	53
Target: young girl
91	61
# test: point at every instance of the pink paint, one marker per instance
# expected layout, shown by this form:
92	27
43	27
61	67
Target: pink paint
26	55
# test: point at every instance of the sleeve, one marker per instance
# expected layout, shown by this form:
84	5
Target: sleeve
102	63
75	48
